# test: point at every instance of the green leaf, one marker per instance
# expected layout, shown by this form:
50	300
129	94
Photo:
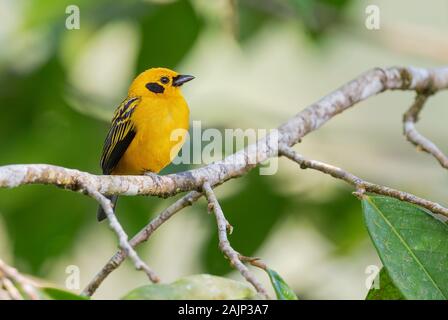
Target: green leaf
58	294
282	290
412	245
196	287
386	291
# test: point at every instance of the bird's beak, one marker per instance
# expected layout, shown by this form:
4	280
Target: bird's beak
181	79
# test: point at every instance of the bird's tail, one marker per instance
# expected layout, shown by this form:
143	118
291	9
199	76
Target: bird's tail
101	215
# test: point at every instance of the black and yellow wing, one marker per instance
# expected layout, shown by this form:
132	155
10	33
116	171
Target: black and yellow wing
120	136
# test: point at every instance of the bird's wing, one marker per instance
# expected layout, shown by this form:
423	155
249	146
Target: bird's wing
120	136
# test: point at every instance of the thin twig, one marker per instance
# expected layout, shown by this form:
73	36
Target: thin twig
139	238
10	275
360	184
106	205
224	243
409	119
11	289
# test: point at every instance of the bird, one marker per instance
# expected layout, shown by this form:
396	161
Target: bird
140	138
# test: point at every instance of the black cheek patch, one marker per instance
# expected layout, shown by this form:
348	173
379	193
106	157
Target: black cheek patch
155	87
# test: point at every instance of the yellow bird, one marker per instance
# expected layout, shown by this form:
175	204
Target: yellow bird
146	130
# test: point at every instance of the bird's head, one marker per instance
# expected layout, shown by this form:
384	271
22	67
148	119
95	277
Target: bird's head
158	82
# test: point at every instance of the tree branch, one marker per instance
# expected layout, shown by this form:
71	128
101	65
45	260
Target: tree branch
10	278
139	238
360	184
127	248
224	244
417	139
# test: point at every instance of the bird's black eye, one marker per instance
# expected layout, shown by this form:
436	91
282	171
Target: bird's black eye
164	80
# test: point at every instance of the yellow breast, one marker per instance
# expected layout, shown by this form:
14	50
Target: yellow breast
161	125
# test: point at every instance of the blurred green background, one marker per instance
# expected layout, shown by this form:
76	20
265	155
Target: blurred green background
256	63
